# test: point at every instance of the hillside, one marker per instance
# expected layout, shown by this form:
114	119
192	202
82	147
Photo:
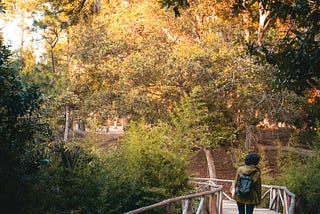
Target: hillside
268	142
225	158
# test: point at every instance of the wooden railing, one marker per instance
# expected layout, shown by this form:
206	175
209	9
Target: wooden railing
203	202
277	198
214	191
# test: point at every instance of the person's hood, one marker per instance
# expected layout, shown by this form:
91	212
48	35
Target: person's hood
247	169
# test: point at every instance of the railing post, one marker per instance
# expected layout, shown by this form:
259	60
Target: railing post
187	206
212	204
273	199
206	204
292	205
219	208
278	192
285	203
202	206
170	208
270	198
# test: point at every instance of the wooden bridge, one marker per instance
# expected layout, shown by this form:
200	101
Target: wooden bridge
213	197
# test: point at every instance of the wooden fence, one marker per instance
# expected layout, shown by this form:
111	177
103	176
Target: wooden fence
204	202
214	191
278	198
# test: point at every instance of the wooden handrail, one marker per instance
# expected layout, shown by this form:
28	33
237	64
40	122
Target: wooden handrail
186	199
279	196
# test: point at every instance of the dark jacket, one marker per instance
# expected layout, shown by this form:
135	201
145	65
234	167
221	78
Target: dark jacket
256	192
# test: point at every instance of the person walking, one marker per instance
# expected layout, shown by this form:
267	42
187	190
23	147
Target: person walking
247	201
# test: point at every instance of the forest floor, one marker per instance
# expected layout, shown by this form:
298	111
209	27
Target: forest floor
225	159
268	142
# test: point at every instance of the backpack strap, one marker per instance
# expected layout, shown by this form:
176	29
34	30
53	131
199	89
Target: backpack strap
258	169
253	172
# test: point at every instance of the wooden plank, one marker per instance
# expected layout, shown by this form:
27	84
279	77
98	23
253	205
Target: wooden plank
230	207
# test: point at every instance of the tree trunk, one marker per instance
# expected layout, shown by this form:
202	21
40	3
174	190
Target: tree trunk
210	162
251	136
53	63
246	27
66	126
22	27
263	23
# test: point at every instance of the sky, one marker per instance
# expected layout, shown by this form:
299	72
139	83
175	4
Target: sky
12	36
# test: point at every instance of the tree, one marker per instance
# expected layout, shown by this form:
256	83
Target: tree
145	65
56	32
22	131
297	52
195	126
287	37
125	78
288	41
76	10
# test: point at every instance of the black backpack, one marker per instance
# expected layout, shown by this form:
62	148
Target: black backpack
244	185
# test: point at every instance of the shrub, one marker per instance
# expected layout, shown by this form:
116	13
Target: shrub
303	179
143	171
72	182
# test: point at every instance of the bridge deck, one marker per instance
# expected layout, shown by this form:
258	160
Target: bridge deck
230	207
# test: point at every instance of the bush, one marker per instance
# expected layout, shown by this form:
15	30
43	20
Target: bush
303	179
143	171
72	182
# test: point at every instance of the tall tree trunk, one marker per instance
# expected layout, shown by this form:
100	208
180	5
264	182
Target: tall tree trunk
22	26
246	19
263	22
52	62
251	136
210	162
52	41
67	121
